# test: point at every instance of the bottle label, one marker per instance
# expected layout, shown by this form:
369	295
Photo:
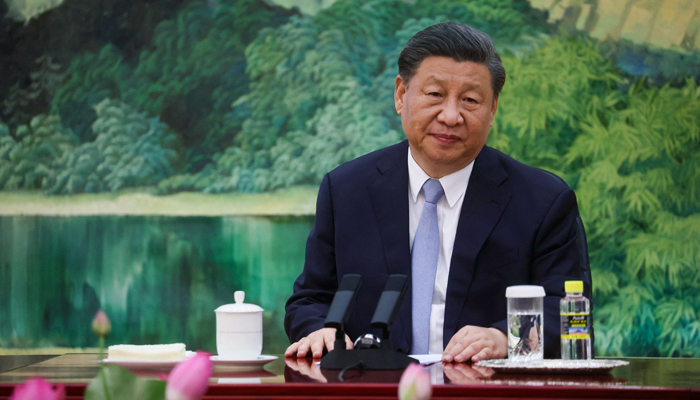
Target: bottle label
574	326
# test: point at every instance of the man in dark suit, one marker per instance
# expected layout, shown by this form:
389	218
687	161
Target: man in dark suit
494	222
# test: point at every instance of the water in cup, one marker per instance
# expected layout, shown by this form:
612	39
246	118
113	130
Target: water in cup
525	337
525	323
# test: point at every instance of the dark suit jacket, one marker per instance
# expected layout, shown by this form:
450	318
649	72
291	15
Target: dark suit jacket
518	225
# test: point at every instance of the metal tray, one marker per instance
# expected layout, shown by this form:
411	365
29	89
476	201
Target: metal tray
559	367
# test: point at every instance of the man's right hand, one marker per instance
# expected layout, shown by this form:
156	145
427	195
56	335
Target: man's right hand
315	343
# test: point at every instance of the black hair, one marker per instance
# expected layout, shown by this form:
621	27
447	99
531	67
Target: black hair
458	41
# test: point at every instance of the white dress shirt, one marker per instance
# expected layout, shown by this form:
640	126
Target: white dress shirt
448	210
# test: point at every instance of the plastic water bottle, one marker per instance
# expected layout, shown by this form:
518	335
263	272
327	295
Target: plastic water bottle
575	314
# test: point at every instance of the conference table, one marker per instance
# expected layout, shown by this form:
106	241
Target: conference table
643	378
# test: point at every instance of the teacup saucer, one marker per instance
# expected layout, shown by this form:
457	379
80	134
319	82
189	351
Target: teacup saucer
255	363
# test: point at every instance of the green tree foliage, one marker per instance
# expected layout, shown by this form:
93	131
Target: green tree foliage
307	84
196	69
24	102
92	78
138	151
7	146
281	80
321	88
31	162
46	79
167	69
506	21
188	77
129	150
16	106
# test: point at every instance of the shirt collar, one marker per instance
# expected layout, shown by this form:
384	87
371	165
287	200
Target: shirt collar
454	184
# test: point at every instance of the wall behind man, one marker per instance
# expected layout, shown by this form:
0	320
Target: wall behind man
190	109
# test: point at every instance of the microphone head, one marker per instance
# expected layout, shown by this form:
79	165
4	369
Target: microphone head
350	283
396	283
343	302
390	301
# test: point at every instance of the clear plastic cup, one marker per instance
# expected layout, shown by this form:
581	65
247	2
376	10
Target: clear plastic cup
525	322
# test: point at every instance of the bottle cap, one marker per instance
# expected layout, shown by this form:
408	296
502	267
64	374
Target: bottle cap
525	291
573	286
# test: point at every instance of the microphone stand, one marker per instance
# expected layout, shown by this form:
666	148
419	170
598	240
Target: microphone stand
383	358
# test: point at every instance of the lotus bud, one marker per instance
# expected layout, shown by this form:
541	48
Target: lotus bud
101	325
415	384
189	379
38	389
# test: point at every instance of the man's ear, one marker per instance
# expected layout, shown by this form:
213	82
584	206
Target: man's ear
494	107
399	93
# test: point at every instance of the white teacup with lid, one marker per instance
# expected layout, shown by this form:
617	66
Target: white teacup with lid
239	334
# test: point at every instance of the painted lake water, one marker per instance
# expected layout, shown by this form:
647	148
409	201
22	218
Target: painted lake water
159	279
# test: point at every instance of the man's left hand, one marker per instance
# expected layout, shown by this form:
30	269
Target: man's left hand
476	343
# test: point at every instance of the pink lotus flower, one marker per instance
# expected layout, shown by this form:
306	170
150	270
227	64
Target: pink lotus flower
38	389
101	325
189	379
415	384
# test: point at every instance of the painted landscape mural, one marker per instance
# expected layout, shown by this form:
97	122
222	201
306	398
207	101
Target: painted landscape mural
157	155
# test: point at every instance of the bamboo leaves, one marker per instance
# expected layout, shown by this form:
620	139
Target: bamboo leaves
633	158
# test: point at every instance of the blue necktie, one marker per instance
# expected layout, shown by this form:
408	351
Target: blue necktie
424	258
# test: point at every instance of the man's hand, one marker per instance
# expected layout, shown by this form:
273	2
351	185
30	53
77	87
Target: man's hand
476	343
315	342
306	367
465	374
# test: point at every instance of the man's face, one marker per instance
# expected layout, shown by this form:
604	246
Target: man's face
446	112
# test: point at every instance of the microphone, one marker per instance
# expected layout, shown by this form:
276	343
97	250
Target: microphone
343	302
341	307
369	353
388	306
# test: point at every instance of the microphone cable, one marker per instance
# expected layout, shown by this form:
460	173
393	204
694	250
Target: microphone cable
360	365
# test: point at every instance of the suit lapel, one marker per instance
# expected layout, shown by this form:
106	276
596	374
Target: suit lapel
389	196
484	202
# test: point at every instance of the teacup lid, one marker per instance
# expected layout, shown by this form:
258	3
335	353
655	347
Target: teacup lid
239	306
